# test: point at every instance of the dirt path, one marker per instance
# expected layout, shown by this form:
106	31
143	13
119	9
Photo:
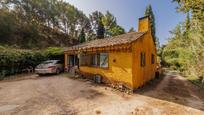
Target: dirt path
59	95
175	89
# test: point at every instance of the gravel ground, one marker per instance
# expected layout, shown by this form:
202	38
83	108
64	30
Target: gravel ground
61	95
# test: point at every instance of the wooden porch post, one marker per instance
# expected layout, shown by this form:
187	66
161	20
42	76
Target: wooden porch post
65	62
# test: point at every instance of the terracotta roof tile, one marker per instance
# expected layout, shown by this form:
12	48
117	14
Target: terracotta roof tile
106	42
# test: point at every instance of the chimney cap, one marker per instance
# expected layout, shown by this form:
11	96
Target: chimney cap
144	17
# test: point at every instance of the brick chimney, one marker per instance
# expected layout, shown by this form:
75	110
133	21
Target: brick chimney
144	24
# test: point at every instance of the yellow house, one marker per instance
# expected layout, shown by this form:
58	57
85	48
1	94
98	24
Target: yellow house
129	58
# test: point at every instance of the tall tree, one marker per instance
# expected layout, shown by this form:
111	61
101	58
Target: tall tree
109	21
97	25
131	30
187	26
100	30
187	54
150	13
110	24
38	20
7	25
188	22
117	30
197	9
82	36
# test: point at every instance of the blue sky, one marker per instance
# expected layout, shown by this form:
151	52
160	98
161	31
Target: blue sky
127	13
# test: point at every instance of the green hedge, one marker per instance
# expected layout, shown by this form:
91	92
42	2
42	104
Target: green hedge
54	53
13	61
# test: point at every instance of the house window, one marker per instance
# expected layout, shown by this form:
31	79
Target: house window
153	59
104	60
94	60
142	59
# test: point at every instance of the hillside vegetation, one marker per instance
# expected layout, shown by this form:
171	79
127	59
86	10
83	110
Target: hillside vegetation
43	23
185	49
32	31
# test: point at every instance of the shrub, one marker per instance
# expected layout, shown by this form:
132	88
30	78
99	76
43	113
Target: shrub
13	61
54	53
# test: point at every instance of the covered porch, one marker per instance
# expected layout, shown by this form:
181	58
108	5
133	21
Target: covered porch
71	61
91	59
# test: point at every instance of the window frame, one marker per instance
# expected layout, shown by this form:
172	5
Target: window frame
107	59
97	58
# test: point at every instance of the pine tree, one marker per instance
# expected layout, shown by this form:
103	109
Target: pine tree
100	30
150	13
187	26
131	30
188	22
82	36
196	8
97	24
110	24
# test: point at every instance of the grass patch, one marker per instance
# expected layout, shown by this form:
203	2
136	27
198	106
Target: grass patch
196	81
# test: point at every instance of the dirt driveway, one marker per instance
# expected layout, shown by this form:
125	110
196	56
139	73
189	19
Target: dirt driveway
60	95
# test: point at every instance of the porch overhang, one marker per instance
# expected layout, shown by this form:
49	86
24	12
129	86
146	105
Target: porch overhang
118	48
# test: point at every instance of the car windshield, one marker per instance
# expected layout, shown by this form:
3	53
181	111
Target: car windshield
48	62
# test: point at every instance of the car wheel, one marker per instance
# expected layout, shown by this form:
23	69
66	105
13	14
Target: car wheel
57	71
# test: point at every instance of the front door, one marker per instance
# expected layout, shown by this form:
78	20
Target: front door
73	63
73	60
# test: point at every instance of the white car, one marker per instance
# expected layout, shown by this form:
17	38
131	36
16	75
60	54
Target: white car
49	67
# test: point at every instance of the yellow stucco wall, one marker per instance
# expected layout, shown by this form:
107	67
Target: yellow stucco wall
143	74
127	68
143	25
120	70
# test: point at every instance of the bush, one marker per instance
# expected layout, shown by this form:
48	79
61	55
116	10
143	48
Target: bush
13	61
54	53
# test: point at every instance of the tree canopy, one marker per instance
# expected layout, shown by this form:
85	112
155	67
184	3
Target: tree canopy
197	10
131	30
185	48
82	36
105	25
150	13
44	23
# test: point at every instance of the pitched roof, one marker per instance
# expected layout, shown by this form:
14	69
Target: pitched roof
106	42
